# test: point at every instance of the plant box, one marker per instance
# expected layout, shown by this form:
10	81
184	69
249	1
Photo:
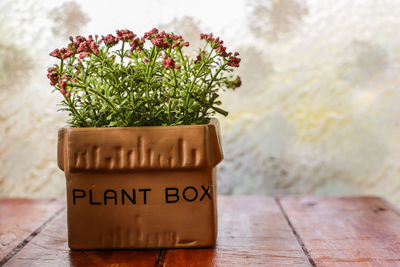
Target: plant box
141	187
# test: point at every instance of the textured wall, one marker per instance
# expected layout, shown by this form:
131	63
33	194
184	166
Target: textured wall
319	111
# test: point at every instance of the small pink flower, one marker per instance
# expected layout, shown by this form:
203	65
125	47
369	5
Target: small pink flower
146	60
125	35
94	47
68	94
238	82
198	59
80	39
136	44
233	62
83	55
62	91
56	53
210	38
148	35
83	47
63	84
169	63
52	75
109	39
160	42
221	50
67	53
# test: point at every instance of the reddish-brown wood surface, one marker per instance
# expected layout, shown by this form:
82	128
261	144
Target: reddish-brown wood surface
21	219
50	248
253	230
346	231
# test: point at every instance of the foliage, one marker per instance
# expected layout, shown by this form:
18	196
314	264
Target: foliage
123	80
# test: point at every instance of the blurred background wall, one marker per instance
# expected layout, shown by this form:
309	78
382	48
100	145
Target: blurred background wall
318	112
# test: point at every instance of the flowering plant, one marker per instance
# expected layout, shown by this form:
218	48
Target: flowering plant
124	80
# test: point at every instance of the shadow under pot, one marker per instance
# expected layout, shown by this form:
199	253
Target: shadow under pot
141	187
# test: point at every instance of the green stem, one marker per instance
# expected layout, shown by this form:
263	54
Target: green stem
71	106
149	69
195	78
122	52
217	109
173	95
210	85
109	103
61	67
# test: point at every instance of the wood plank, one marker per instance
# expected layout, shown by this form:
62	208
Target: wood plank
20	217
346	231
252	231
50	248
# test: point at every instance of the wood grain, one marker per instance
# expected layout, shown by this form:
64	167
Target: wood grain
252	231
19	218
50	248
346	231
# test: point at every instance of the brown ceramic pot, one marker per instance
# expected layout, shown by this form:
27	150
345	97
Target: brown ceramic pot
141	187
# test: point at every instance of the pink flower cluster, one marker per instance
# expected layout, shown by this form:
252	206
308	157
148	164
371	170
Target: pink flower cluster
125	35
198	58
55	79
63	53
136	43
169	63
232	61
84	47
238	82
109	40
53	76
164	40
63	86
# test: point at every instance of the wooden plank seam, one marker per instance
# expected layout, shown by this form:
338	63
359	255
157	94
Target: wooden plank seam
29	238
161	258
298	238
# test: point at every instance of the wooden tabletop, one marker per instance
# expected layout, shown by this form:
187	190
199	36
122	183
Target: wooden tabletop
253	230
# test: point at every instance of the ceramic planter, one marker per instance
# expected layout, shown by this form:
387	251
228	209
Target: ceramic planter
141	187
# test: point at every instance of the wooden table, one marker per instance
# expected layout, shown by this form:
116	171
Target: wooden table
253	230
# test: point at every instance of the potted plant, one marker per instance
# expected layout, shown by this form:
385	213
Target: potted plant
140	153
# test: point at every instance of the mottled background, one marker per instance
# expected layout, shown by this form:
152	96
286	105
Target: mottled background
318	113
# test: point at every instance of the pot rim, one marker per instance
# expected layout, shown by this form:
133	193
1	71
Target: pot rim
213	121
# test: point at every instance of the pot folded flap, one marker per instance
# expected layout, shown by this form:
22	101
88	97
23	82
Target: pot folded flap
60	148
215	149
139	148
